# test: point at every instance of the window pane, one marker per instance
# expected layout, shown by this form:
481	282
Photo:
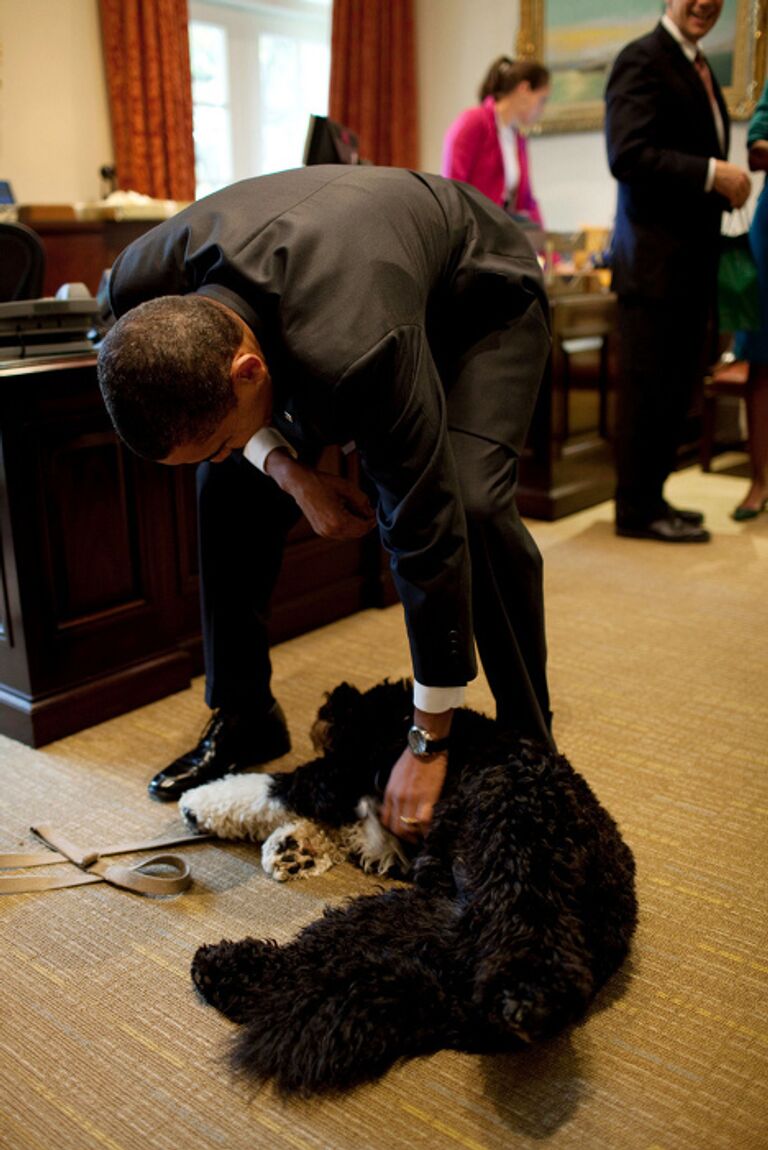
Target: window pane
293	80
208	52
213	148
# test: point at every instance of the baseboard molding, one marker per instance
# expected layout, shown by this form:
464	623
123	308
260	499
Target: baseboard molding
36	722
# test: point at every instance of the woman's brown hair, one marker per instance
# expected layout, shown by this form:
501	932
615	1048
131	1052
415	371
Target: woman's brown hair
505	74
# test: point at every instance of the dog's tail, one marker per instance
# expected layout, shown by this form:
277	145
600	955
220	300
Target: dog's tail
332	1043
357	990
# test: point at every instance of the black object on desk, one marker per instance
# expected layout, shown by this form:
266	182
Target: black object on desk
46	327
330	143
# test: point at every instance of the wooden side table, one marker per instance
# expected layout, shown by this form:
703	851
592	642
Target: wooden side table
567	464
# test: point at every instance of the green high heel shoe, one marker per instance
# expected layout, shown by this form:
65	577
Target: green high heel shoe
742	513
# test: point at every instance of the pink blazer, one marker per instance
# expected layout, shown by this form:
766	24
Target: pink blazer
472	153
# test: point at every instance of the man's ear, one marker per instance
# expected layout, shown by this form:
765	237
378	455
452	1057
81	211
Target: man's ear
247	369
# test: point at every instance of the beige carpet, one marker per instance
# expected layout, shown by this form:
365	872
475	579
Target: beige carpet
658	674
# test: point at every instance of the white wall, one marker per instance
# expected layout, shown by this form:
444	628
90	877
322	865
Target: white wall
54	120
456	42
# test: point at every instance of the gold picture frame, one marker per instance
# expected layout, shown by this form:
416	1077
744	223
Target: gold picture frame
549	33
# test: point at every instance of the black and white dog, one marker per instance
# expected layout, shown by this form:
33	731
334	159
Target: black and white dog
522	901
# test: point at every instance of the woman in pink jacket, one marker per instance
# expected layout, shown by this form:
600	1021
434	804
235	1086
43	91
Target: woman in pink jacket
484	146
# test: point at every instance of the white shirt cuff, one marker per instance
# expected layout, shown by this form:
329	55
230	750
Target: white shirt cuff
435	700
262	443
710	181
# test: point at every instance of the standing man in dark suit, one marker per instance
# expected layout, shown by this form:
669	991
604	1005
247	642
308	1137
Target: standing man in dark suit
400	311
667	131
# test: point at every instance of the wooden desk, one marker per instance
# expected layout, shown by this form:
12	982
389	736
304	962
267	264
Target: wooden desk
99	609
568	461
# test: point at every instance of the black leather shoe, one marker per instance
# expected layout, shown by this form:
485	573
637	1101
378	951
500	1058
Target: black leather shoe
666	529
687	516
229	743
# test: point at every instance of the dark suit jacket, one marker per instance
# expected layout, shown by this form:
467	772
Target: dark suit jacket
660	134
369	288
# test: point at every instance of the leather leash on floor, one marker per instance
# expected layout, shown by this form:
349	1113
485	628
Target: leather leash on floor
132	878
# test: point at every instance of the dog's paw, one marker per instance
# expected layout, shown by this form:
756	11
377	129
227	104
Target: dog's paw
235	807
375	849
526	1014
299	850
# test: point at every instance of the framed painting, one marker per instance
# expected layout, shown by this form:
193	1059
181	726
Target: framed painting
579	42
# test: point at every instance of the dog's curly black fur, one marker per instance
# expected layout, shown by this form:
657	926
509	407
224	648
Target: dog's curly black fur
522	905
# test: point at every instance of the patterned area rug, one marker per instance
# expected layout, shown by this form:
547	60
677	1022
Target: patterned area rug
658	677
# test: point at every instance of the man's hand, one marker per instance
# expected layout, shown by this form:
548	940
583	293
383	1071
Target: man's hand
732	182
334	507
758	156
412	791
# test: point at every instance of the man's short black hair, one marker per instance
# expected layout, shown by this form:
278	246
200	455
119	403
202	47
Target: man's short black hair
164	373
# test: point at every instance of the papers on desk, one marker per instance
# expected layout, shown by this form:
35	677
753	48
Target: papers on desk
128	206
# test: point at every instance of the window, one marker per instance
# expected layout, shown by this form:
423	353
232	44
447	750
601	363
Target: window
258	71
211	107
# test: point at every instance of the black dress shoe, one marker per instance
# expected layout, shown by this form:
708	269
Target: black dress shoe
666	529
229	743
687	516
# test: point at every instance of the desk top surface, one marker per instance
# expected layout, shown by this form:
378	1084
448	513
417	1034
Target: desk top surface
40	363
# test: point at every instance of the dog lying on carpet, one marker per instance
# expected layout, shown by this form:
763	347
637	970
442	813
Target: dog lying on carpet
522	901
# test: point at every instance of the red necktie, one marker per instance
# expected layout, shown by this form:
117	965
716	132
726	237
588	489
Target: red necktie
706	77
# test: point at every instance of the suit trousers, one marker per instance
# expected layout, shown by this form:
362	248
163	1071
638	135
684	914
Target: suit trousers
663	350
507	586
243	522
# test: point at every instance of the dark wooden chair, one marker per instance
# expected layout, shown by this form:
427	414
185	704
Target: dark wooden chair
22	262
727	377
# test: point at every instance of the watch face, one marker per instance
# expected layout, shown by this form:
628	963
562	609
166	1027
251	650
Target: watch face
418	741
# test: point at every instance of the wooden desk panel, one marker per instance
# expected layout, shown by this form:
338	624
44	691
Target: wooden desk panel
99	598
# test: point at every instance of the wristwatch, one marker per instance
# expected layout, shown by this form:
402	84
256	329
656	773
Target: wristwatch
422	744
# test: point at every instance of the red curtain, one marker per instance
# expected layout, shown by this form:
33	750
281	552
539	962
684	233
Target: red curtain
373	78
146	55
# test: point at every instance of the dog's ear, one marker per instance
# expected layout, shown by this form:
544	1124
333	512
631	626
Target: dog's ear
339	702
349	718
